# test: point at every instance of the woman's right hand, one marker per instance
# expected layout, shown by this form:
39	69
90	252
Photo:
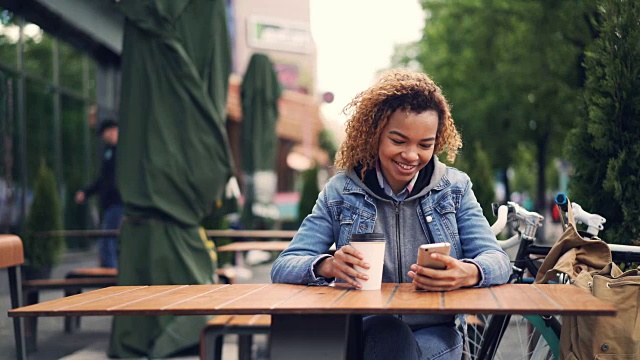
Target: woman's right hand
340	266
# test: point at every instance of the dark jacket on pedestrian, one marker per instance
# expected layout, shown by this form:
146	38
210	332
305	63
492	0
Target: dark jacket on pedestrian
105	184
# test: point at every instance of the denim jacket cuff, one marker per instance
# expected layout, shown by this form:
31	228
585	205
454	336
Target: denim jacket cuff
482	282
315	279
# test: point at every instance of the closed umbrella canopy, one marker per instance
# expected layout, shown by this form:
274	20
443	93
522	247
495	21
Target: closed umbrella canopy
260	91
173	158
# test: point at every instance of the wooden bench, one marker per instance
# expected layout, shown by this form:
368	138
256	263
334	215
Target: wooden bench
245	326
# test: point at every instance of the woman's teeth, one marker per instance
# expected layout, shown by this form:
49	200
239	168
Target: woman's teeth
405	166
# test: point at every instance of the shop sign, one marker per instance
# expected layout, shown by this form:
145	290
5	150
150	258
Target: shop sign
278	34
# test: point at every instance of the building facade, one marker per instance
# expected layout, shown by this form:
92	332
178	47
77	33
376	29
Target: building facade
59	74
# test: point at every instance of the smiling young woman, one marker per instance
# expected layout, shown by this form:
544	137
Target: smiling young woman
392	183
406	146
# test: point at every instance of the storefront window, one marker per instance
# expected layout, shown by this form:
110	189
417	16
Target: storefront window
71	67
40	130
91	82
45	116
10	190
74	160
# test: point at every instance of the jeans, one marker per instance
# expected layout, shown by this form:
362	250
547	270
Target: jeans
387	337
108	246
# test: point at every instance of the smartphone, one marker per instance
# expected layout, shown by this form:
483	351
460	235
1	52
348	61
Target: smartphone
424	255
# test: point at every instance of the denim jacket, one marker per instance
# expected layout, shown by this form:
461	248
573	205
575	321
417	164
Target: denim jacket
444	211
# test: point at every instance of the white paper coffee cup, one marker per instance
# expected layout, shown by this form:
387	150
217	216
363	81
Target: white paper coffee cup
372	247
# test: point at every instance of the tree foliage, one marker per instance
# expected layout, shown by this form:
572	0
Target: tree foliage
476	163
604	146
309	194
327	142
511	70
45	214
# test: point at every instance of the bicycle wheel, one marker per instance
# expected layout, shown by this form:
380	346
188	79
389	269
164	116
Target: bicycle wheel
524	337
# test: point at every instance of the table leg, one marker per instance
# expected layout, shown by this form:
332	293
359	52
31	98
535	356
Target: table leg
316	337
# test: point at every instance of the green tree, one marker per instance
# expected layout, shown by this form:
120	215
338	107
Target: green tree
327	142
604	146
476	163
511	70
45	214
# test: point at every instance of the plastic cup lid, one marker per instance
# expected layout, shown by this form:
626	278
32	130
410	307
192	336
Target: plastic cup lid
367	237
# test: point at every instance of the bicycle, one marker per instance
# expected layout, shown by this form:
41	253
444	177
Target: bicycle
529	337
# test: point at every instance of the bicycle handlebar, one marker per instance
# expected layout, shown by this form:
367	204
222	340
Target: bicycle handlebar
511	211
593	221
561	200
501	222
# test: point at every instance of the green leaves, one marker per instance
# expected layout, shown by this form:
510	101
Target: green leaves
511	70
604	146
44	215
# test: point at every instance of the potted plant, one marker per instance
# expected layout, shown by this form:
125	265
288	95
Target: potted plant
43	252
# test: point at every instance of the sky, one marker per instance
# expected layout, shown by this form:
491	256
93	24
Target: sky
355	39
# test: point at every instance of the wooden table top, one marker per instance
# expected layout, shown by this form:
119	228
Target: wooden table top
299	299
254	245
252	234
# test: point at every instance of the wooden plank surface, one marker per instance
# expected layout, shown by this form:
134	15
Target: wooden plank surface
254	245
11	251
172	298
250	320
367	301
321	297
252	234
570	296
141	296
459	301
265	299
213	302
525	299
406	297
299	299
53	307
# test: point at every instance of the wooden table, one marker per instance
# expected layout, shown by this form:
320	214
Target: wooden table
252	234
241	246
314	322
260	241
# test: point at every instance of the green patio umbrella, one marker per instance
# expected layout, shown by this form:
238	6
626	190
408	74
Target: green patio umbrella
173	158
259	93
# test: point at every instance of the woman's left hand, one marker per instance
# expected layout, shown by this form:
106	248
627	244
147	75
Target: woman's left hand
457	274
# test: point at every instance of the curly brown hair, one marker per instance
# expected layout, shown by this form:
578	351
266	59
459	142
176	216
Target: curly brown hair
370	110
